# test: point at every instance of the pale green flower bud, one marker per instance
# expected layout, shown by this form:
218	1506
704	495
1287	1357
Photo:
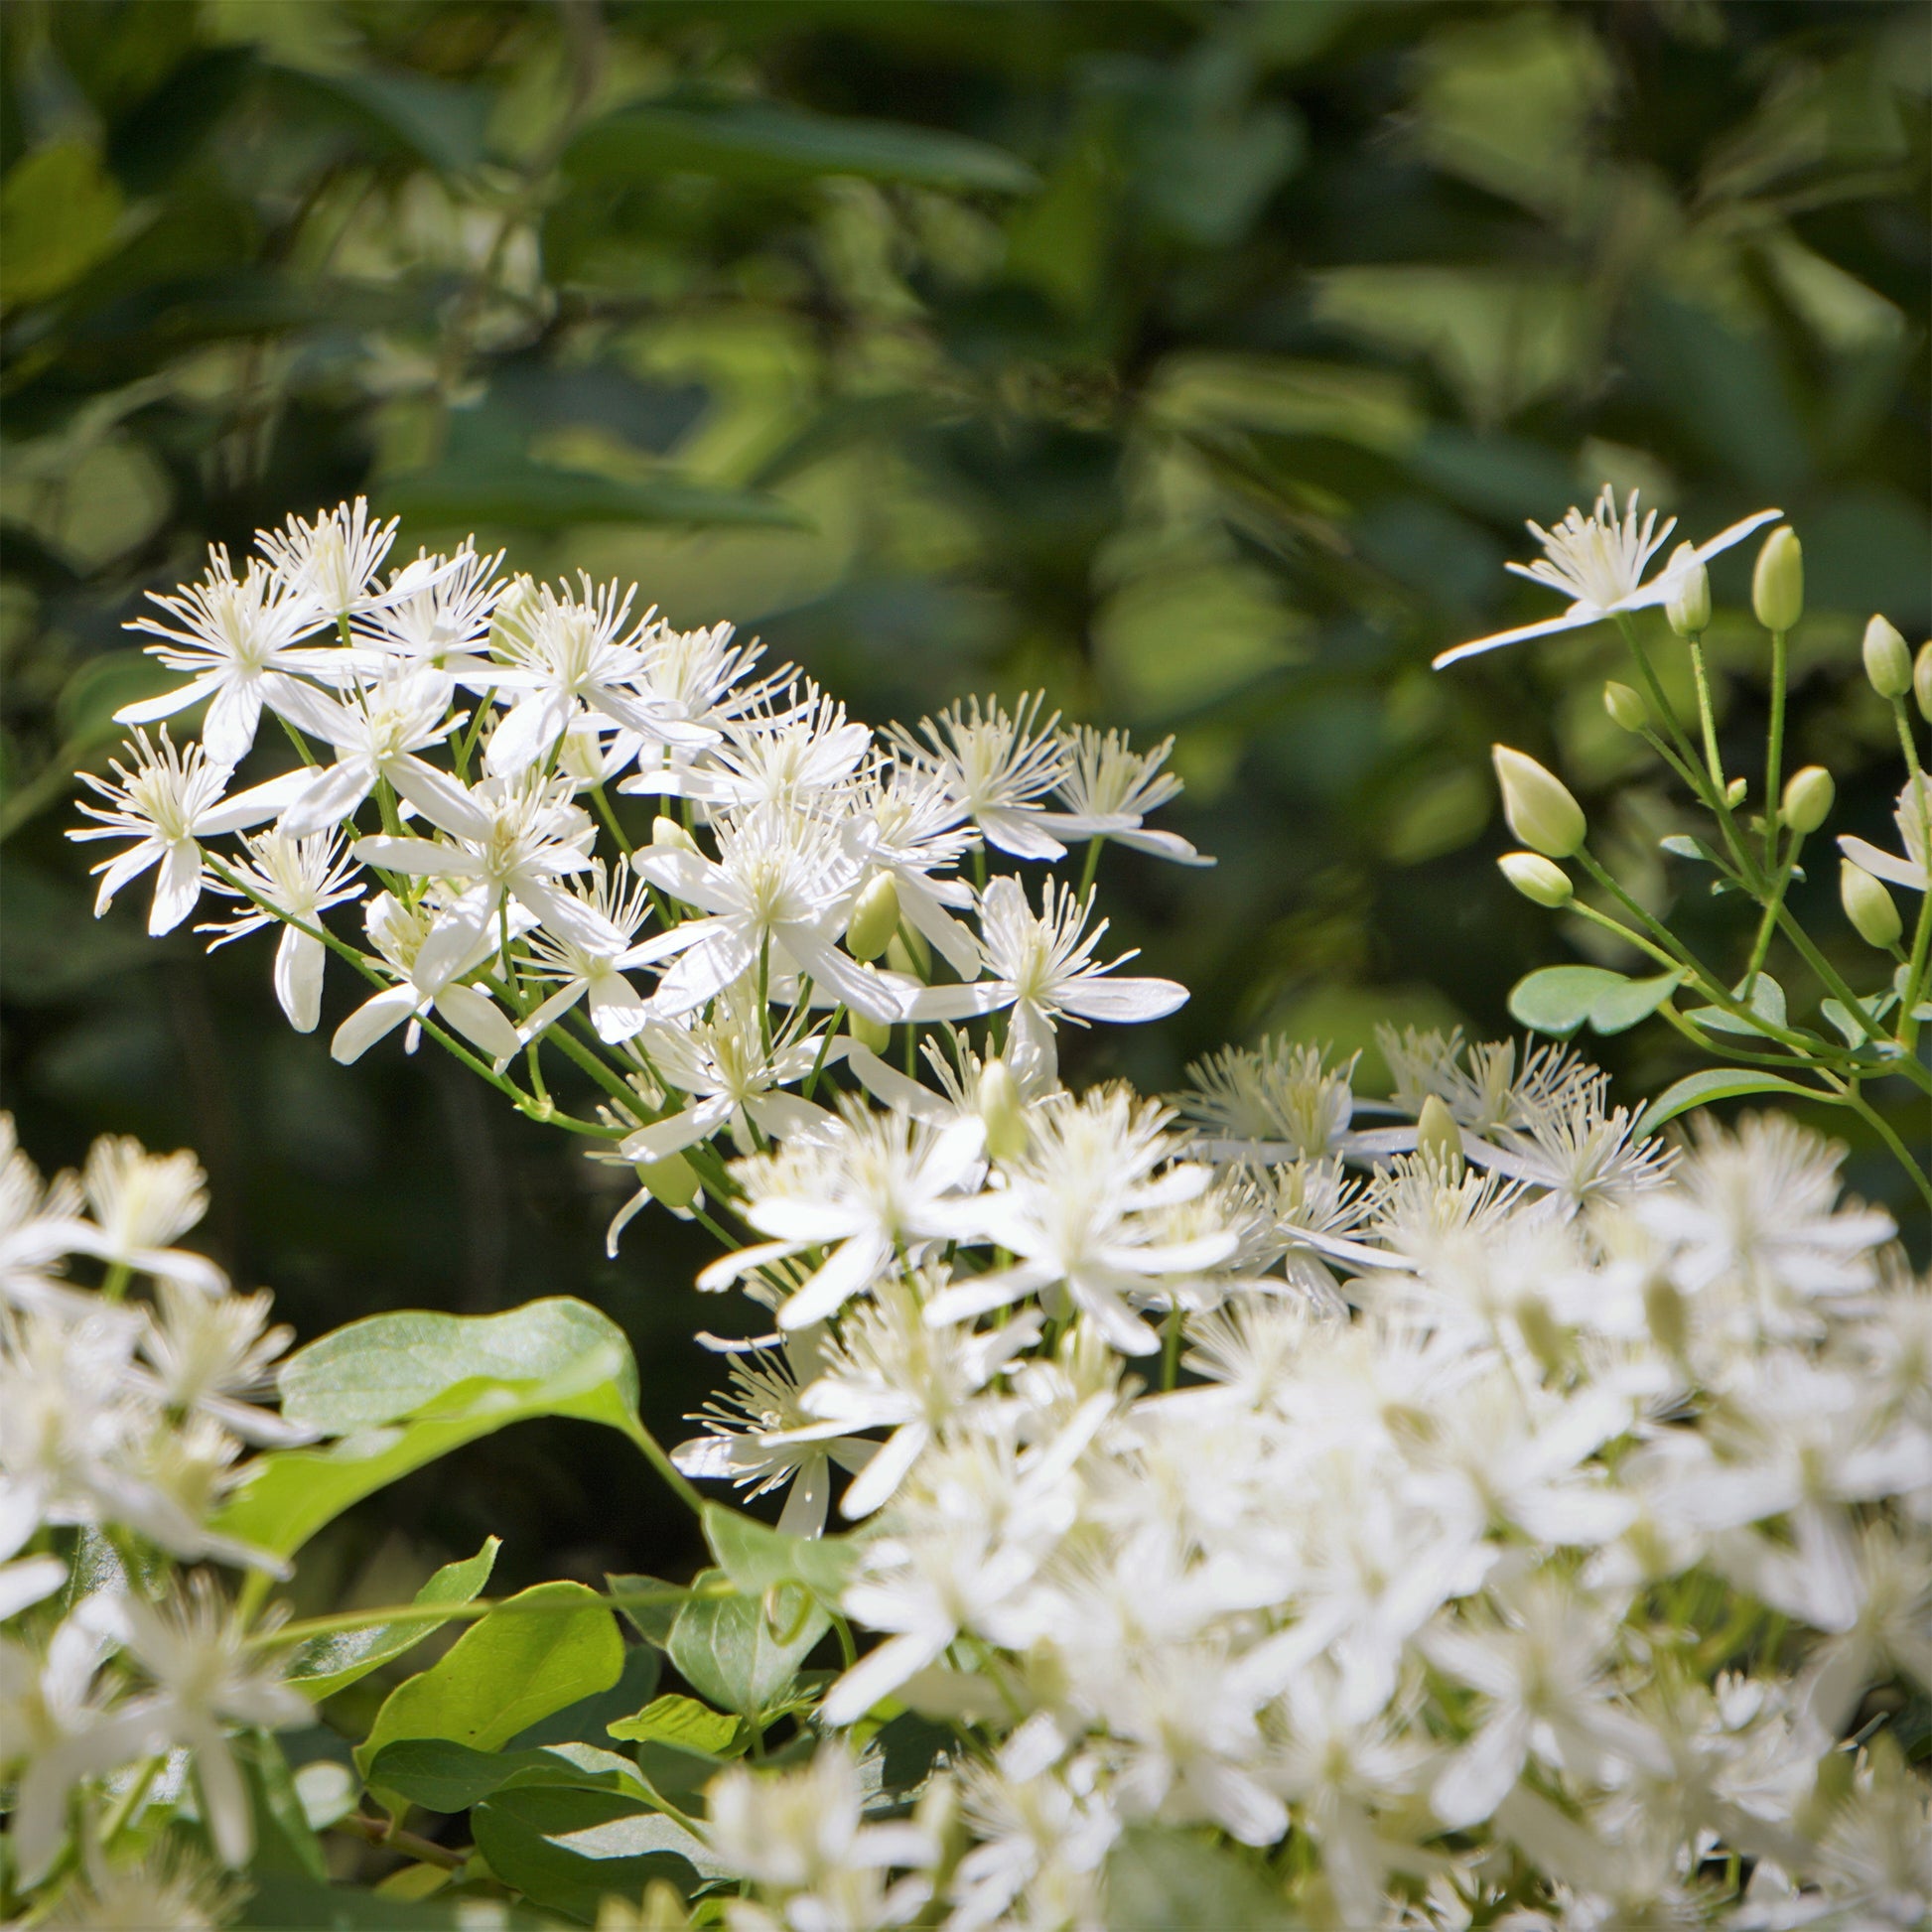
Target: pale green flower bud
1734	793
1808	798
672	1180
1868	906
1537	878
875	1034
1689	606
875	919
1778	582
1922	680
1541	1333
1538	804
1004	1111
909	954
666	830
1887	662
1438	1137
1664	1310
1625	707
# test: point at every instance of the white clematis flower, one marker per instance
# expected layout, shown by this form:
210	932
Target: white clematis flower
1597	562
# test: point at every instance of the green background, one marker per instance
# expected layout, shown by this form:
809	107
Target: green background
1198	363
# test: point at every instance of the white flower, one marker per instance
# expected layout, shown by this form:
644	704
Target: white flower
1756	1214
587	970
889	1368
1268	1102
509	839
296	880
901	822
734	1078
1109	788
166	804
1042	965
872	1185
167	1888
37	1227
1598	561
331	563
564	655
141	1203
55	1728
205	1678
1077	1214
1048	1830
376	731
802	757
210	1352
234	639
433	952
761	1438
1914	821
997	765
1540	1665
438	623
803	1830
778	888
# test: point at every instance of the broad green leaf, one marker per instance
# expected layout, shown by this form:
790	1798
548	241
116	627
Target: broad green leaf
757	1558
414	1385
537	497
589	1719
445	1776
416	1362
59	209
679	1720
1846	1021
532	1655
1716	1083
763	141
1559	999
1160	1878
566	1849
325	1665
736	1655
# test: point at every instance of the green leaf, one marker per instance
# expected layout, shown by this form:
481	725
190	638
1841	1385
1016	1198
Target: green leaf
1845	1020
532	1655
679	1720
59	211
736	1655
649	1604
285	1840
1684	846
1160	1878
445	1776
566	1849
751	140
1559	999
287	1902
1716	1083
1620	1008
537	497
412	1387
416	1364
325	1665
588	1721
437	121
757	1558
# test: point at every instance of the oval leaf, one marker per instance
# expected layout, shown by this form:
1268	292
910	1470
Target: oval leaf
1558	1000
1716	1083
534	1654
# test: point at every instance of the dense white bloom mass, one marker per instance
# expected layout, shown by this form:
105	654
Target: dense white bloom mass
1479	1511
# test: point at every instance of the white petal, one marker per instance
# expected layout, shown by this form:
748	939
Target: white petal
373	1019
177	890
482	1023
299	962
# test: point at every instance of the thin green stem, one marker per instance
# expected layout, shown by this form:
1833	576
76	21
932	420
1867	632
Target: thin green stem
1706	716
1774	904
1872	1117
377	1830
1090	870
1774	749
609	817
1834	982
296	739
1171	1347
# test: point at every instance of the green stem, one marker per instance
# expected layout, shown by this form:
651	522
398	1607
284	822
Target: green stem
1774	749
1773	906
374	1830
1171	1347
1834	982
1092	867
609	817
1706	717
1868	1113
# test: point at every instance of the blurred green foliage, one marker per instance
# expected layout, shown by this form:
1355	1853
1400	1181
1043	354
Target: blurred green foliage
1196	362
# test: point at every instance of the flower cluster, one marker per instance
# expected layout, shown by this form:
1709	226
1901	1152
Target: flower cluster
123	1421
1534	1500
1474	1507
